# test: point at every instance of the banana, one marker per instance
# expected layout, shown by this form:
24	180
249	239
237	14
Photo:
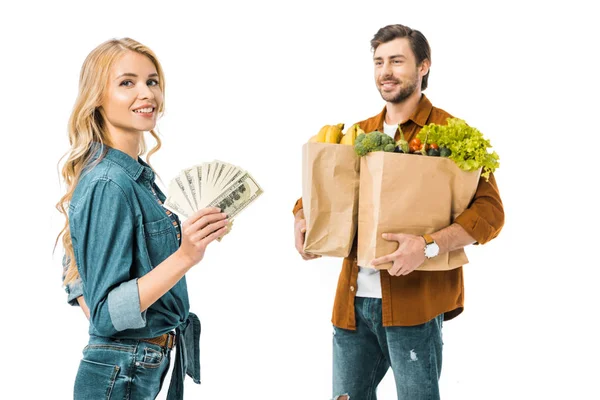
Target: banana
328	134
334	133
350	136
322	133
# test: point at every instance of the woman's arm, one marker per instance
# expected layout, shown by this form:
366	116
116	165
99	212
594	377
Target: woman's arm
197	232
103	229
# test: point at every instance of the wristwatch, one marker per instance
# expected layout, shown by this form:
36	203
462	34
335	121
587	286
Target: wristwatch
431	247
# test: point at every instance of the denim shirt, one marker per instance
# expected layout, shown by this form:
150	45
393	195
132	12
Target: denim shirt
120	232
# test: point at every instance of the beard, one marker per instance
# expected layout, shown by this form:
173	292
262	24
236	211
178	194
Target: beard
405	90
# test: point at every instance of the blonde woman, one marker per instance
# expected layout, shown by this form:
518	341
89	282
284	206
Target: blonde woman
130	254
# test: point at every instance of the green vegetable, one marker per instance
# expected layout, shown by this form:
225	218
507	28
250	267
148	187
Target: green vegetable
433	152
468	148
402	143
389	147
373	141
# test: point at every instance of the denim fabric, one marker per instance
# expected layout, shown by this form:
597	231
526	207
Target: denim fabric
119	234
121	369
73	289
361	358
120	231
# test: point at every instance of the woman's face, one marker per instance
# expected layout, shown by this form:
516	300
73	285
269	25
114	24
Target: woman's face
133	95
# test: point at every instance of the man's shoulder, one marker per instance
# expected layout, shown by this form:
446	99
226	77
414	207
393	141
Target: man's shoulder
438	116
372	123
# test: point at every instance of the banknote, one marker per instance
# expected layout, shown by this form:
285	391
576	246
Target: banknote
188	183
237	196
212	184
176	201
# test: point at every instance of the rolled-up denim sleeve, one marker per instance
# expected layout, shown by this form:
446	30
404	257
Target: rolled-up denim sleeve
103	232
74	289
124	306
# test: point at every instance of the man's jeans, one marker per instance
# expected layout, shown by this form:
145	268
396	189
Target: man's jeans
362	357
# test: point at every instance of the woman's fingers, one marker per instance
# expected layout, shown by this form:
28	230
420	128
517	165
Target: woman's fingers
209	229
204	221
216	234
201	213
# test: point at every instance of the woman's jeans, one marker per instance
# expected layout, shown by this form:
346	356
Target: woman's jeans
361	358
121	369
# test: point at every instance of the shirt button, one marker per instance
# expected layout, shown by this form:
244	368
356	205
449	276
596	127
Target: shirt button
352	288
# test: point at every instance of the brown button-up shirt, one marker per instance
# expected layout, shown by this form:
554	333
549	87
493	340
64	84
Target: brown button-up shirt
418	297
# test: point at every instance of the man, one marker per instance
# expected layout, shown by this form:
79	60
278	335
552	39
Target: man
394	318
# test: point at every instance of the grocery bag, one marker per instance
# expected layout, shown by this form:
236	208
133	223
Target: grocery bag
414	194
330	179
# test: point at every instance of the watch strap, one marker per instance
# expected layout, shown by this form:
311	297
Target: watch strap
428	239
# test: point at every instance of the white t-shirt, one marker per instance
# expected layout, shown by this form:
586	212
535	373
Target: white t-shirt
368	281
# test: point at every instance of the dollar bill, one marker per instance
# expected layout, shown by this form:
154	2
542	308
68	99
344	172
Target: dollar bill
212	184
239	195
184	193
189	186
197	181
176	201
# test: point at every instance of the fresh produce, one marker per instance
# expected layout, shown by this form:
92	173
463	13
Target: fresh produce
401	144
463	144
351	134
373	141
415	145
445	152
433	152
328	134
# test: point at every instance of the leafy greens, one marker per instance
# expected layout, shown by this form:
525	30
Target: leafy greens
468	146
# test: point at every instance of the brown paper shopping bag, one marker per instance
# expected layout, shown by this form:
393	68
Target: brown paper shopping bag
330	178
415	194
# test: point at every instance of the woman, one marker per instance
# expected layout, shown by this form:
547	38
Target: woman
130	253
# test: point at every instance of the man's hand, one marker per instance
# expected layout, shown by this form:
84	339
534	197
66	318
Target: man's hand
409	256
299	232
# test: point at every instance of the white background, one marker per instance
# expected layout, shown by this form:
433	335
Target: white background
249	83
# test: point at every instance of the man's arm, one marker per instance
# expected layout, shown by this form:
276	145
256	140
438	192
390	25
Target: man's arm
484	218
452	238
478	224
300	232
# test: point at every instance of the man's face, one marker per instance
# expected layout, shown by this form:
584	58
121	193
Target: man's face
397	74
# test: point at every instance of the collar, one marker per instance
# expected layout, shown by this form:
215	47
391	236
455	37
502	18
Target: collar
136	169
419	116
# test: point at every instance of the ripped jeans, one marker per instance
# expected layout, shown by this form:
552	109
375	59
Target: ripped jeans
361	358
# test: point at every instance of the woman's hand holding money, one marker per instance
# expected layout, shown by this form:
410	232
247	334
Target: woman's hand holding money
198	231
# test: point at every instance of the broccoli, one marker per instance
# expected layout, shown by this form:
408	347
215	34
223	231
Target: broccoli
389	147
373	141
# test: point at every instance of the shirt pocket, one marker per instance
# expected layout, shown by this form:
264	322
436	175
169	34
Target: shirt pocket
160	239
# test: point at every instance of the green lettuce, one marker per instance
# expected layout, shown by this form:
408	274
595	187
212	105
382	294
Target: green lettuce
469	147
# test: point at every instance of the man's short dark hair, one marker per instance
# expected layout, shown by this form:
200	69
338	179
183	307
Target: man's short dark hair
418	43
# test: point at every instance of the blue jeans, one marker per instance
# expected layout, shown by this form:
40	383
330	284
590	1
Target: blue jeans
121	369
361	358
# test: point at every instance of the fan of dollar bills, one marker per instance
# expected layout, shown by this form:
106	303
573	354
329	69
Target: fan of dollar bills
212	184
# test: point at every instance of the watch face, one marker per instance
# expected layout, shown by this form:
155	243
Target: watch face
432	250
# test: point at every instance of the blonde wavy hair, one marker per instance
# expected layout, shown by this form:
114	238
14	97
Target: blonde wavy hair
86	126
